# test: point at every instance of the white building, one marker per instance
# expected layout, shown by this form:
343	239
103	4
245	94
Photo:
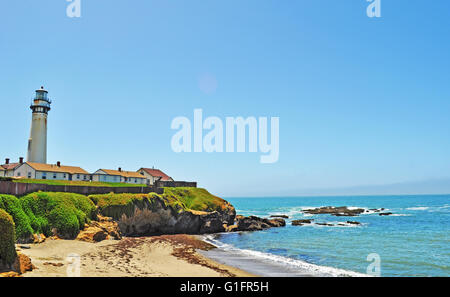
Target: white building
118	176
154	175
51	172
8	169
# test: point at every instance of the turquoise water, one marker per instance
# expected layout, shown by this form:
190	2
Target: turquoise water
415	241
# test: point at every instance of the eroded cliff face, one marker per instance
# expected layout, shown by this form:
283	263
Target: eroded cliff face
154	215
177	211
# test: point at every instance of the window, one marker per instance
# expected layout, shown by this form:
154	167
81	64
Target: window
18	173
44	175
78	176
29	174
54	175
64	175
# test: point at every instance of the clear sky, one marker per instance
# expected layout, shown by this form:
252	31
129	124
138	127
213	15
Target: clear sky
361	101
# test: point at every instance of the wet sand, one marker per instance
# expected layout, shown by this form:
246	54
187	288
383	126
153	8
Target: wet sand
156	256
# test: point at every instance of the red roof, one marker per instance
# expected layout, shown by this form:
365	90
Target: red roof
10	166
157	173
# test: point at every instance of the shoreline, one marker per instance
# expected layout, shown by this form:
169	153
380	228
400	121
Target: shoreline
177	255
154	256
269	265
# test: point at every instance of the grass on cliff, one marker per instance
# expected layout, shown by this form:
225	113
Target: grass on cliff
114	205
41	212
75	183
195	198
7	239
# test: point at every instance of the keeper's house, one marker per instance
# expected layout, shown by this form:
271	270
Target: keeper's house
119	176
8	169
154	175
51	172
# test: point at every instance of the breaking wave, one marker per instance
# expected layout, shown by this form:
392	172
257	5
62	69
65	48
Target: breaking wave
289	263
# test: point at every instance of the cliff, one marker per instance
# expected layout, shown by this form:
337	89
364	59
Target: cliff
178	210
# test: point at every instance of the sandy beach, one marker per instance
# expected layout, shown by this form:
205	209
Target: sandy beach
156	256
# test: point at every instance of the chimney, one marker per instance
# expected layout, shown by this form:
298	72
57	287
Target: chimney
6	161
58	164
21	160
120	169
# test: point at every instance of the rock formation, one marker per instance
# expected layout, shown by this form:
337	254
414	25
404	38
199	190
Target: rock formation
254	223
103	228
336	211
22	264
157	217
280	216
301	222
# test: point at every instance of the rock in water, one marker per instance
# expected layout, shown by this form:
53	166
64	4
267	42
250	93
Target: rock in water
278	222
325	224
335	211
301	222
353	223
254	223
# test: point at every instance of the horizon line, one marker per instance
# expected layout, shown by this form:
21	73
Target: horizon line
340	195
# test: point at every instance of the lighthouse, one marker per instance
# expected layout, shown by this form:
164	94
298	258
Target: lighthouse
37	144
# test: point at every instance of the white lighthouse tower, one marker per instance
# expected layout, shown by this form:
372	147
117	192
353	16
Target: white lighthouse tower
37	144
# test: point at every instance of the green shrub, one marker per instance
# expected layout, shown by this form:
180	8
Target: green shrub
13	207
65	221
41	212
67	212
7	238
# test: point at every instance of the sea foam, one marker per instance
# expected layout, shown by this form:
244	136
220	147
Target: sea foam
293	266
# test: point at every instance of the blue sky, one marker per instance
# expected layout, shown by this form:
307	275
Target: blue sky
361	101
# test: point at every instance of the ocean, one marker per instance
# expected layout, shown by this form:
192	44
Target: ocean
413	241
